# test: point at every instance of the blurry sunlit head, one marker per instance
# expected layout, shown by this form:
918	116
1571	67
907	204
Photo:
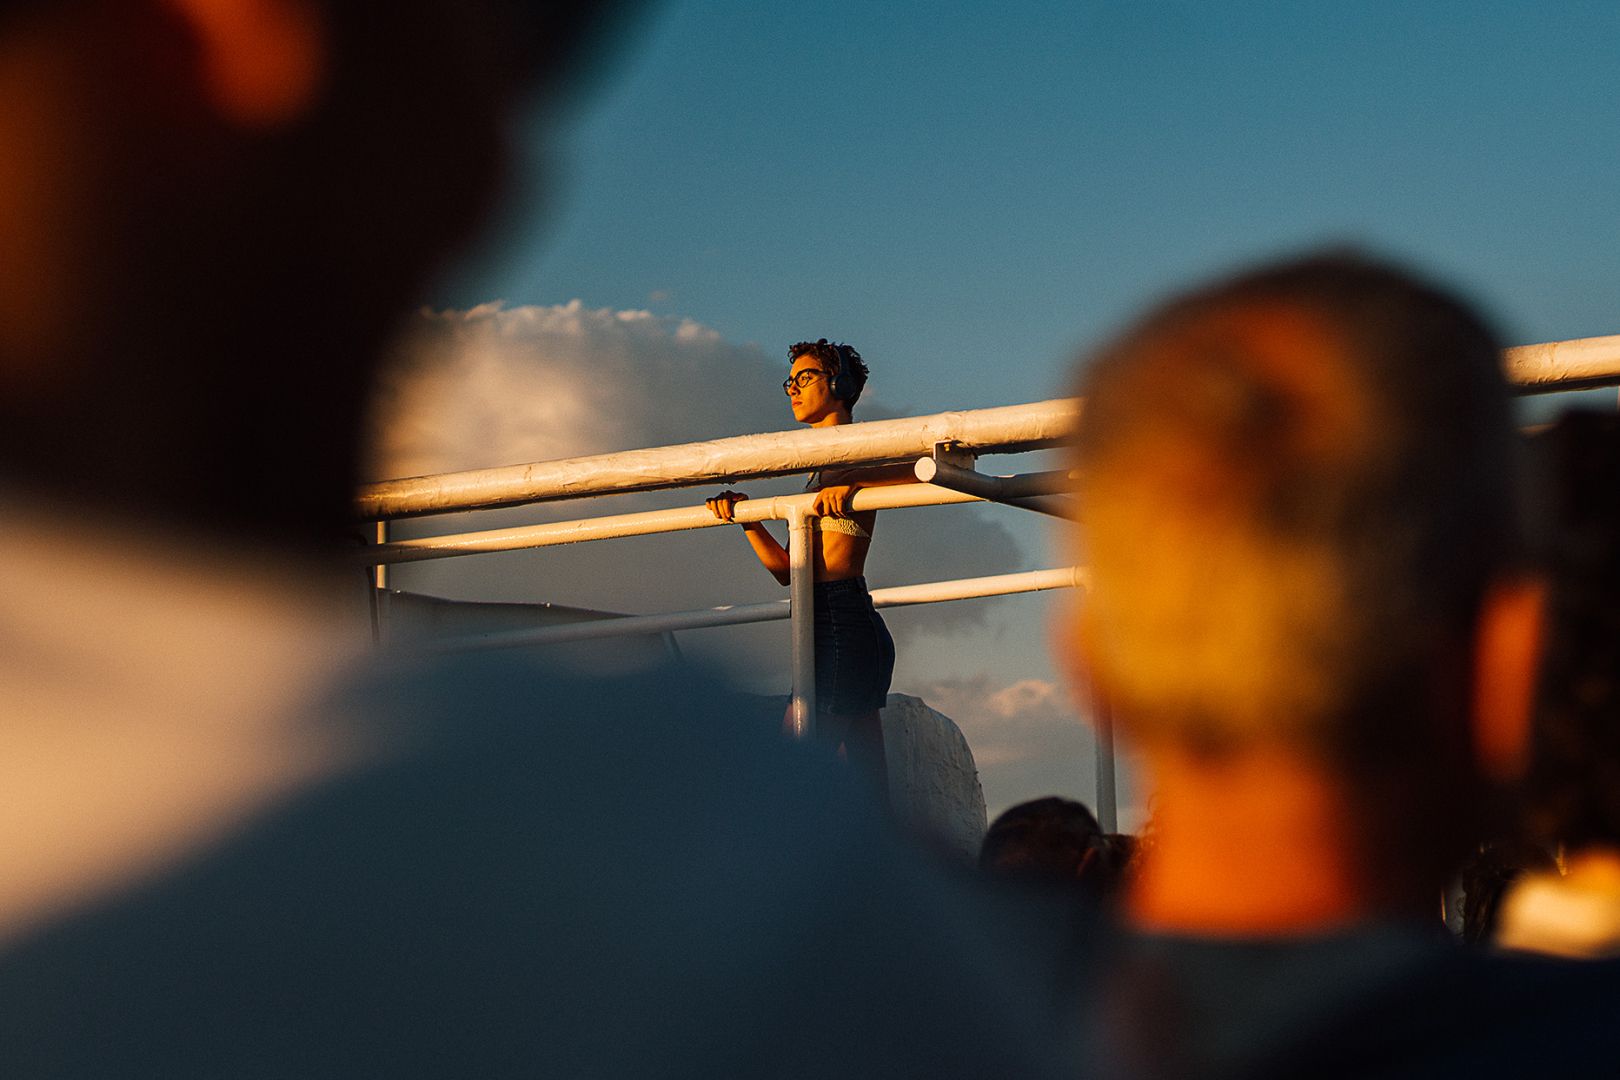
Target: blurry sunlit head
1296	486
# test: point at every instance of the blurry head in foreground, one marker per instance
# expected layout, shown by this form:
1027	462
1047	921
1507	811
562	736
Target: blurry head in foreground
1054	841
1298	521
216	211
212	213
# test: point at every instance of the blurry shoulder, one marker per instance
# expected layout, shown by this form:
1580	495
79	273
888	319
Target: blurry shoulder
1573	915
598	875
1374	1000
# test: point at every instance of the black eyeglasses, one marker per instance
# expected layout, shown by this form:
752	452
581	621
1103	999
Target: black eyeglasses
802	379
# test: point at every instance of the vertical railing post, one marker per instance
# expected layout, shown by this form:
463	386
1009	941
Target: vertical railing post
1102	721
801	593
379	585
382	568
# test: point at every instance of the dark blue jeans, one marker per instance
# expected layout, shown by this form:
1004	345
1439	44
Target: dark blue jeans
854	652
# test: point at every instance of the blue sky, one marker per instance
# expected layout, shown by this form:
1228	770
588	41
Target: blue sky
972	195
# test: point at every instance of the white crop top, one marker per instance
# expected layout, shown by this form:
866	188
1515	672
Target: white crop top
845	526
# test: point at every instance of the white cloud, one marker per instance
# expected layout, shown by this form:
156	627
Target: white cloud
1009	723
1029	738
496	385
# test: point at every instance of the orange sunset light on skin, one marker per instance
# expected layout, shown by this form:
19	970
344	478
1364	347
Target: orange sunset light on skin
263	61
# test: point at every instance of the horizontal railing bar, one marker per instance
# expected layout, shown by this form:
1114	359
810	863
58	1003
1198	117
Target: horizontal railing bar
1549	367
1033	491
613	526
1558	366
934	592
1055	482
1003	430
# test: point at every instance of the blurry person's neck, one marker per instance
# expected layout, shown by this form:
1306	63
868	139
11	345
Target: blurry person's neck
1255	843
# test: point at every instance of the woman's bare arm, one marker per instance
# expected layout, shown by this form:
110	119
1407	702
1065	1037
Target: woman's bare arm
838	486
772	555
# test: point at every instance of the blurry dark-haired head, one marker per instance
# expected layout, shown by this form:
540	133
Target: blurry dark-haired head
1304	601
1057	842
217	210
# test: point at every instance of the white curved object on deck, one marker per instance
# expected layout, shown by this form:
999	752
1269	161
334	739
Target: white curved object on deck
934	786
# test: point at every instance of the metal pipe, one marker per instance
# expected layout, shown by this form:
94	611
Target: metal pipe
801	595
1102	722
1533	369
934	592
620	626
381	571
1007	429
374	595
379	582
611	526
1033	491
1557	366
1024	485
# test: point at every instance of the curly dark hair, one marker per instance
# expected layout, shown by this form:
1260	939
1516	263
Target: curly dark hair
1573	783
827	352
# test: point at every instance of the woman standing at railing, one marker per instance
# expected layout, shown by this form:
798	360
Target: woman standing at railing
854	652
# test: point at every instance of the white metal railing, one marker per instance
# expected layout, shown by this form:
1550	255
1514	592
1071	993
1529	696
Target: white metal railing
646	523
933	592
946	444
1533	369
1557	366
1003	430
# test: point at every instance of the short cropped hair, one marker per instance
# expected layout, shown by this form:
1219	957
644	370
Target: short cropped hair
1296	485
827	353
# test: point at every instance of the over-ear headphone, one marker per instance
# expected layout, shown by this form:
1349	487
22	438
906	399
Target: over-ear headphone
843	381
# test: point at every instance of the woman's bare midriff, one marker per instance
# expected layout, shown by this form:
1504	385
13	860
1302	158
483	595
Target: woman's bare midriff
839	556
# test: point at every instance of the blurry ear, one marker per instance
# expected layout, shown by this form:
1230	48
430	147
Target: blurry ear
262	61
1507	663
